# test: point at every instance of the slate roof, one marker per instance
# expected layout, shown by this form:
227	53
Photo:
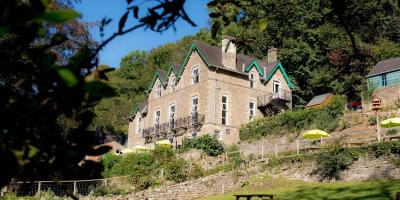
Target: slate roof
385	66
143	107
214	57
318	99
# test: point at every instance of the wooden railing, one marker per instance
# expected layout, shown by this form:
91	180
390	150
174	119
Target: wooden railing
160	131
265	99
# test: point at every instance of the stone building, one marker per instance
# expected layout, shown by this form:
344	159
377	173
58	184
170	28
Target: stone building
384	79
213	91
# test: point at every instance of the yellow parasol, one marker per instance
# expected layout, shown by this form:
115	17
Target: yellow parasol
315	134
164	142
389	123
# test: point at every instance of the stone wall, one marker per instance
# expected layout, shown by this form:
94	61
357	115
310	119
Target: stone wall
207	186
365	168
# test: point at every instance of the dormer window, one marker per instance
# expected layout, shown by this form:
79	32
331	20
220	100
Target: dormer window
195	75
252	80
173	84
158	91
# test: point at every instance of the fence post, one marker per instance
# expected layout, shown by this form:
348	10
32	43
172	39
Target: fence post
39	188
297	146
262	151
276	150
75	189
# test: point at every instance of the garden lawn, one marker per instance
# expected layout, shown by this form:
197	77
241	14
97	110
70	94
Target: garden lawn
289	189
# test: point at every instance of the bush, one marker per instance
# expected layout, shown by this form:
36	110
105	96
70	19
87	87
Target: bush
392	132
175	171
372	120
144	169
326	119
234	156
333	162
208	144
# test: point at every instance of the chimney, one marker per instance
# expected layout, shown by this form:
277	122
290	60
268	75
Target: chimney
228	52
272	55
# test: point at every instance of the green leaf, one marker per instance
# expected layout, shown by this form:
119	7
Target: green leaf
99	89
122	21
32	151
67	76
59	16
262	24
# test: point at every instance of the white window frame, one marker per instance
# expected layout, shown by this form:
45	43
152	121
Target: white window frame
252	110
158	90
193	107
274	84
195	77
139	125
173	84
157	118
224	110
252	80
170	113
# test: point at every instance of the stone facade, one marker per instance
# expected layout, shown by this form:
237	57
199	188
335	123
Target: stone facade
213	84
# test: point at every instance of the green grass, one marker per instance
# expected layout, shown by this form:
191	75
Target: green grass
289	189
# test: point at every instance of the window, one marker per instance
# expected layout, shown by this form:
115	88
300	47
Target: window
224	116
384	80
275	88
195	75
139	125
171	119
252	81
194	114
195	103
157	120
173	84
158	91
251	110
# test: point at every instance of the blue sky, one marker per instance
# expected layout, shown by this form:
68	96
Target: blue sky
95	10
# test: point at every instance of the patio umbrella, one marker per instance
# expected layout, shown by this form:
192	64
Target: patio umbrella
127	150
315	134
164	142
389	123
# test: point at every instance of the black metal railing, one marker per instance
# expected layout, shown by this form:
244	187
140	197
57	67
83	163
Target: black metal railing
265	99
161	131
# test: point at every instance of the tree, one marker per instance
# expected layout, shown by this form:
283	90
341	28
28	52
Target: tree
49	104
325	45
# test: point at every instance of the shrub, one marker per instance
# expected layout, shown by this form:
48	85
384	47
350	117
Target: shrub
333	162
392	132
372	120
207	143
326	119
143	169
234	156
175	171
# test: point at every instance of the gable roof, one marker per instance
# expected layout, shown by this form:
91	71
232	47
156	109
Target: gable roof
212	57
385	66
318	99
140	107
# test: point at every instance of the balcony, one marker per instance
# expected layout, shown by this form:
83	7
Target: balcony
268	98
172	128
